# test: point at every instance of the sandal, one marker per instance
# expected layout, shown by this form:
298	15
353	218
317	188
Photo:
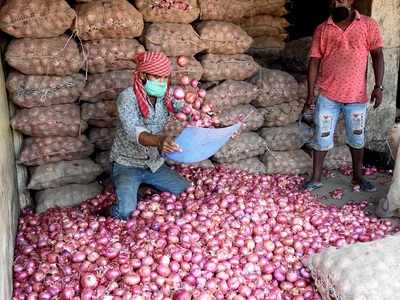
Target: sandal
365	186
312	186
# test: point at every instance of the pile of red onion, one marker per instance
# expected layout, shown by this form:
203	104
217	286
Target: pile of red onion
195	112
233	235
347	170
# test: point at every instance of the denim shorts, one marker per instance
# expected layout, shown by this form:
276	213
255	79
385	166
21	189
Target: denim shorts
326	116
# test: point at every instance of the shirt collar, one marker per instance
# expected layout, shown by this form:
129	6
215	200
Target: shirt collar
358	17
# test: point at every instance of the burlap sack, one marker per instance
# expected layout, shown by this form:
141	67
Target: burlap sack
222	10
61	173
102	138
66	196
193	70
36	18
50	56
100	114
265	7
252	165
223	67
295	55
275	87
33	90
103	159
282	114
40	151
223	37
248	144
287	162
394	139
247	114
111	54
106	86
283	138
56	120
264	25
231	93
267	48
169	11
103	19
173	39
337	157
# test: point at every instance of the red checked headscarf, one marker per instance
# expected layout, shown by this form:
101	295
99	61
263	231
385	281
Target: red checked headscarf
153	63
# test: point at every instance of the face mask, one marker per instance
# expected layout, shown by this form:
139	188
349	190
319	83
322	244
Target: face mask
155	88
340	13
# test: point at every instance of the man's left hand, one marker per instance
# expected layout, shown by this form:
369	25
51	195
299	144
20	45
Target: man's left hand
376	97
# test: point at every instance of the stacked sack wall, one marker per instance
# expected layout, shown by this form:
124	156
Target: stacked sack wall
65	81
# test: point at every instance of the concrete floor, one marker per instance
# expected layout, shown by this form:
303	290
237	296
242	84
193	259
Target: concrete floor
337	180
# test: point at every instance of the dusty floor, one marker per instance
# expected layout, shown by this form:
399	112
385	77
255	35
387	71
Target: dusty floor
338	180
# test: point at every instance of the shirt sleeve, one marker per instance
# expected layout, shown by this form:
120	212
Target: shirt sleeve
316	49
129	115
375	39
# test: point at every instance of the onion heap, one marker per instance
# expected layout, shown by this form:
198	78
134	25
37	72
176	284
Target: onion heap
232	235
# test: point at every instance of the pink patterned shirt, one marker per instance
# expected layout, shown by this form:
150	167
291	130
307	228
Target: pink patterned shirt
344	58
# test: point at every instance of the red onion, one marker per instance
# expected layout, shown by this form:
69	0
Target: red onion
182	61
89	281
179	93
185	80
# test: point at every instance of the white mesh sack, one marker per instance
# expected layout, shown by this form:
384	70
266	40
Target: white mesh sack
223	67
283	138
287	162
275	87
248	144
66	196
250	117
35	90
231	93
252	165
106	86
362	271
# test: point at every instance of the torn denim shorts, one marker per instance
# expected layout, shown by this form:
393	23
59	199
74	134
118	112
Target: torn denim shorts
326	116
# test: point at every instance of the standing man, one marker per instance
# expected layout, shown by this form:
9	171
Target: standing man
337	67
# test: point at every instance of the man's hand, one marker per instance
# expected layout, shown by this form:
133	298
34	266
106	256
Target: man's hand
168	145
309	106
376	97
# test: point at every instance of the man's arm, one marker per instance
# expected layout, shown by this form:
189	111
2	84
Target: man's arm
378	63
313	69
129	115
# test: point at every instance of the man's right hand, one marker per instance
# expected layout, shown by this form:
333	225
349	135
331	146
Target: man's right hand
167	144
309	105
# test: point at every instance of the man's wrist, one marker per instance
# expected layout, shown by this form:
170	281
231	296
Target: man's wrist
379	87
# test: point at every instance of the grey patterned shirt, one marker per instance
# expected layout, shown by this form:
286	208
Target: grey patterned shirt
126	149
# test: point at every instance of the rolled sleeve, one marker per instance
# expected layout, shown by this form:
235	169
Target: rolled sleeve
128	115
316	49
375	39
139	130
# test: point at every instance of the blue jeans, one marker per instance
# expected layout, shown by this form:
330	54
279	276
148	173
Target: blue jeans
128	179
326	115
